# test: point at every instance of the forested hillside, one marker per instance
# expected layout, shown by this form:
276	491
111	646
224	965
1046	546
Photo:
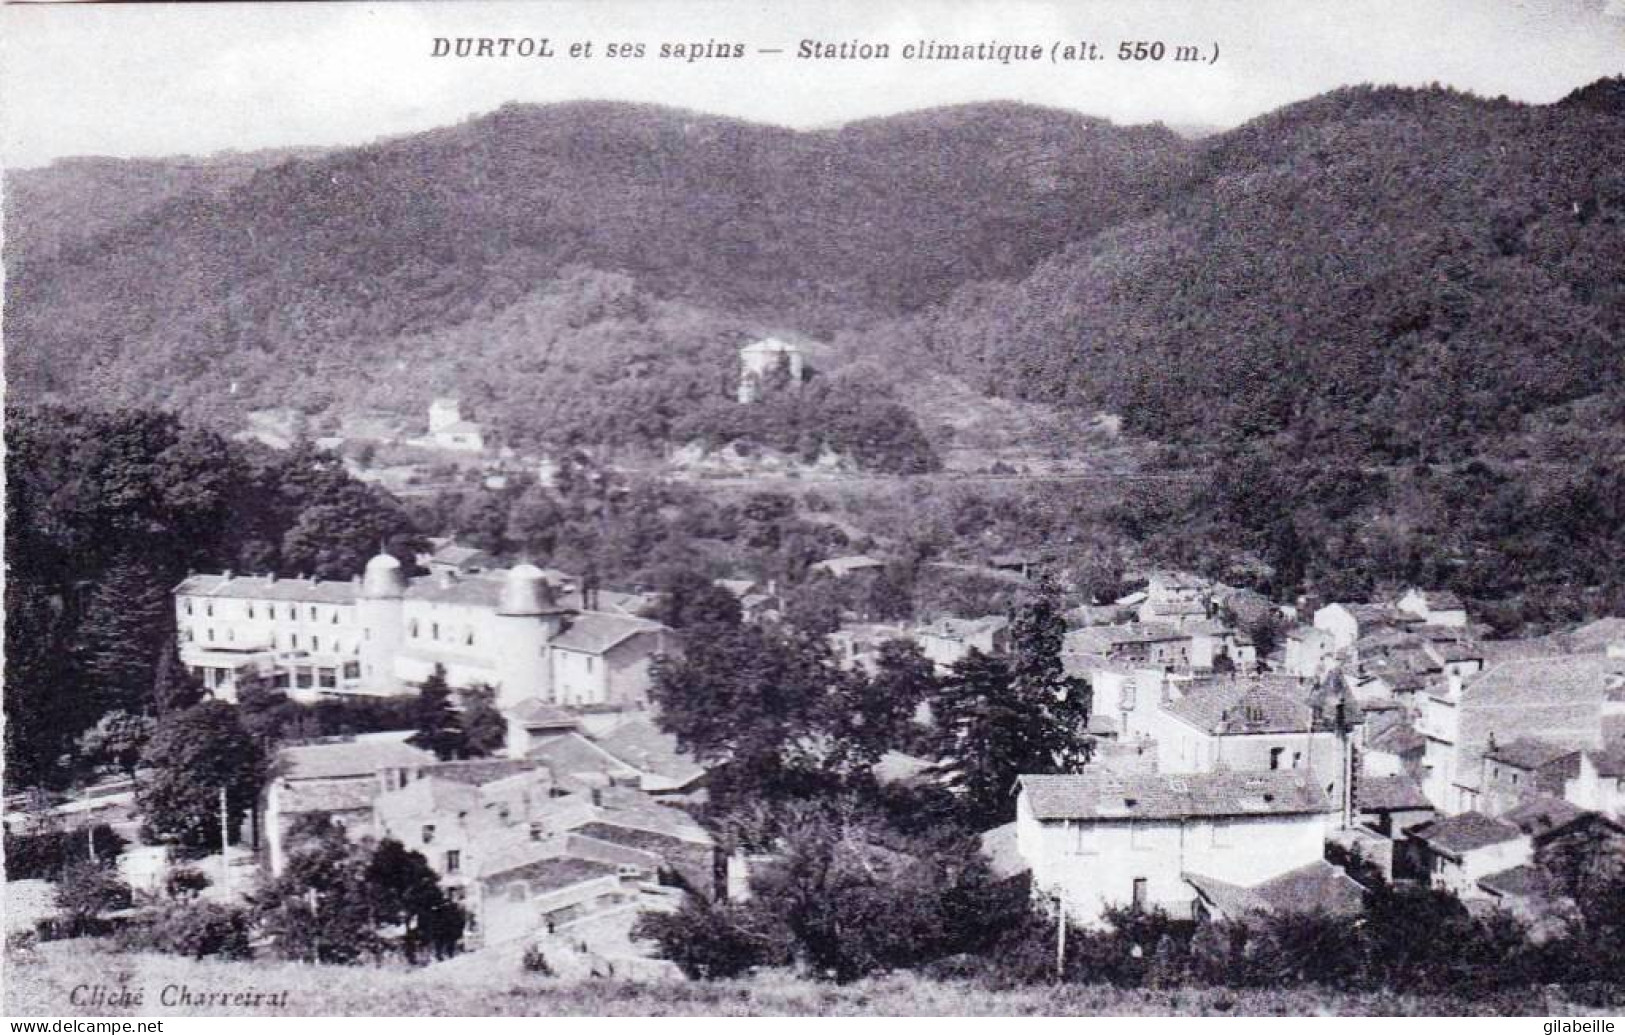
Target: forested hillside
1380	330
1380	273
318	264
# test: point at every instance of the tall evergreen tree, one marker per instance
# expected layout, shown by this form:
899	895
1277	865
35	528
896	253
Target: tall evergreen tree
128	624
174	688
439	727
998	718
484	730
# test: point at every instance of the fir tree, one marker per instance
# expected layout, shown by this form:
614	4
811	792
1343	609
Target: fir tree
439	727
999	718
484	730
128	623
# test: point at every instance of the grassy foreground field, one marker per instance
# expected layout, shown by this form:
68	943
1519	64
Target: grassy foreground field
42	984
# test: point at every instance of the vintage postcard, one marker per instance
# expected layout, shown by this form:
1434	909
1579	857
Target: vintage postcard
743	508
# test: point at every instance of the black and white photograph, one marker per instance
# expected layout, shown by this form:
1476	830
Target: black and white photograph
720	508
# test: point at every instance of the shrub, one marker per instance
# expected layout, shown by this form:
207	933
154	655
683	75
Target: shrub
86	893
709	941
186	882
194	928
535	962
46	854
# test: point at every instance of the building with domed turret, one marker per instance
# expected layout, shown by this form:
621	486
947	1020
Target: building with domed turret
523	631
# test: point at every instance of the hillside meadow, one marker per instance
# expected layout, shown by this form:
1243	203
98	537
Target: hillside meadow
41	982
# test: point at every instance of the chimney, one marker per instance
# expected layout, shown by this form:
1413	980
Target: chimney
226	575
598	796
271	577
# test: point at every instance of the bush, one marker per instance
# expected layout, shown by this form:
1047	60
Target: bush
535	962
186	882
710	941
194	928
86	893
45	855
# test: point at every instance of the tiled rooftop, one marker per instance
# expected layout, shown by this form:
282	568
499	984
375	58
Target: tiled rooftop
1455	835
1103	794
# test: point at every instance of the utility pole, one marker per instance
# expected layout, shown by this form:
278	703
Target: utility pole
1060	938
90	827
225	838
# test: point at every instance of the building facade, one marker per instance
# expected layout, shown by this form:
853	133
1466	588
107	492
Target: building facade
384	633
1100	839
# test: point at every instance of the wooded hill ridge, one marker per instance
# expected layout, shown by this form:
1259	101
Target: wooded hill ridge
1396	273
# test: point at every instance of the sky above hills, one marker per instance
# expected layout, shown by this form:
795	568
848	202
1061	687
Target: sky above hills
139	80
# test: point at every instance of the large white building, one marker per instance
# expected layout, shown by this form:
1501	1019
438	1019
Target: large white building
384	633
1103	838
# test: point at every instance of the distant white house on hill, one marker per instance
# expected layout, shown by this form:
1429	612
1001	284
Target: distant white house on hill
760	360
448	429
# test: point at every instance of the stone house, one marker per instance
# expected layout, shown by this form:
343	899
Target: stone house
1100	838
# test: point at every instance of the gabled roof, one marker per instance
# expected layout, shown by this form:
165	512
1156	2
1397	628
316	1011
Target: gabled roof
477	772
1610	761
362	755
849	564
573	756
453	553
480	589
326	796
962	628
1178	608
1528	753
1107	639
1517	882
738	587
615	807
1562	677
1594	636
1399	739
771	345
535	713
1558	697
594	633
1389	794
267	587
1466	832
1316	887
1542	814
553	873
1244	706
1104	794
643	746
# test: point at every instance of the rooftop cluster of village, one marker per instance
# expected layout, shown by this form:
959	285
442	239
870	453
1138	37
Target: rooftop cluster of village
1221	778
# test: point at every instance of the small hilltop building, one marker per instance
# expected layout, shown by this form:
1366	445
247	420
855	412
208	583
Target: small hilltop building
764	360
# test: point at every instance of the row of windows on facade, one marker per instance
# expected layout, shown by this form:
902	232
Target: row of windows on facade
302	677
1142	835
290	611
415	630
276	640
